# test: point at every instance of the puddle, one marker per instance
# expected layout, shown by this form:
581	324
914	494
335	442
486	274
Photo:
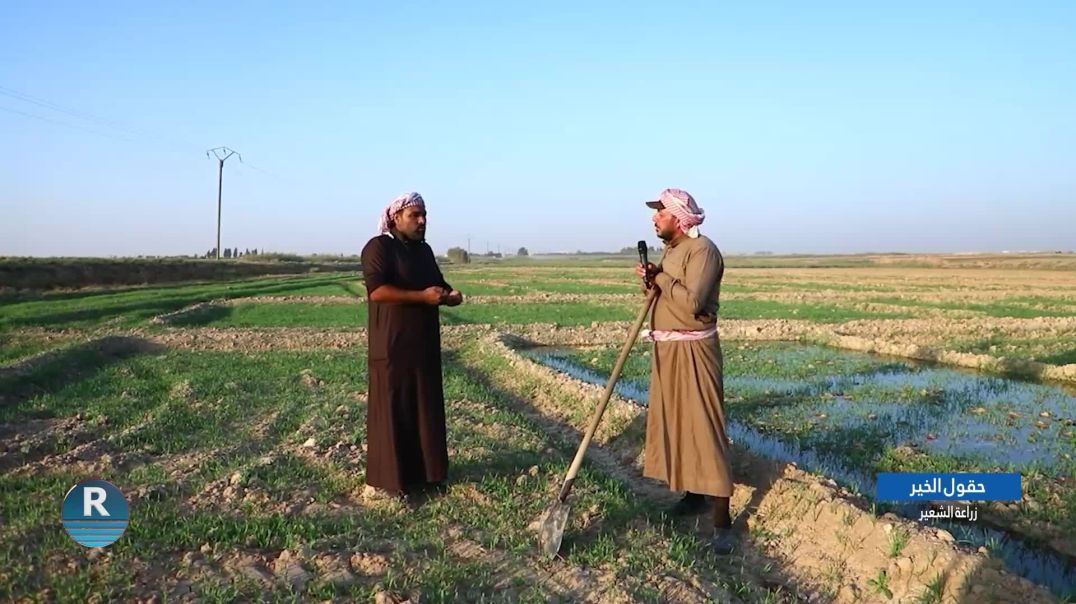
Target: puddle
808	404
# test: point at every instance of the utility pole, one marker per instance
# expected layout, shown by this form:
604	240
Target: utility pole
218	152
468	245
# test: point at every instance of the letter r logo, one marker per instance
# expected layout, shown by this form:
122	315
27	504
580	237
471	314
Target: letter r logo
94	497
95	513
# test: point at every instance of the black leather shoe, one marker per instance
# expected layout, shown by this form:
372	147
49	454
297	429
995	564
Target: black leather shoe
723	542
690	504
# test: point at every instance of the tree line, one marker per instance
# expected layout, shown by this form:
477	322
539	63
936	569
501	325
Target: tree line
230	252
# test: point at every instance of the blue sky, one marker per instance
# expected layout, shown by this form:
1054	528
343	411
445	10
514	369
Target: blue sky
823	127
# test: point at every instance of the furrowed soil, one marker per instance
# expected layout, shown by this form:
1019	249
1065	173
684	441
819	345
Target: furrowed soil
242	449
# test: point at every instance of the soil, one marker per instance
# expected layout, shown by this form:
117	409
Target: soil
817	540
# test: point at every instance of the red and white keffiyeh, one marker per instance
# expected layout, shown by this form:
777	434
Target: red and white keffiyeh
681	204
402	202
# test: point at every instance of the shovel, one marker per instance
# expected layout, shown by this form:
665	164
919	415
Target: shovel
553	520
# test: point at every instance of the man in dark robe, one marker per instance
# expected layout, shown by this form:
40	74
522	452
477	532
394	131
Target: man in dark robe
405	421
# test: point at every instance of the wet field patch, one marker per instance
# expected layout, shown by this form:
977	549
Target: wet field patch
849	416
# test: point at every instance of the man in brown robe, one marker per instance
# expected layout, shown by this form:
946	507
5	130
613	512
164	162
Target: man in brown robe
686	445
405	421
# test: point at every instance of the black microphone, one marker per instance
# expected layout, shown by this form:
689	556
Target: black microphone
643	261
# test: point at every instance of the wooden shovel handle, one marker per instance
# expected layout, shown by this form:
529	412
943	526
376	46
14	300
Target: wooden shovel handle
596	419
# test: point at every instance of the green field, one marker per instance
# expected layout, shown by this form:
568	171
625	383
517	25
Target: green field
244	463
155	413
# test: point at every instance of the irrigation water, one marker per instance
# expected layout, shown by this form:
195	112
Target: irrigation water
833	412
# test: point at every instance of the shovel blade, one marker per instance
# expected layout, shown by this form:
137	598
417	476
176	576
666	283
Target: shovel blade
551	528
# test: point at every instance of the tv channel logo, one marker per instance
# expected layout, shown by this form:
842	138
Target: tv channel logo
95	513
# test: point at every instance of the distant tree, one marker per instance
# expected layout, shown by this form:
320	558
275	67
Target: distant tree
227	252
522	252
458	255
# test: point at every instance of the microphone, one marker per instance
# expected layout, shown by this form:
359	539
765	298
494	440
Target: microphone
643	261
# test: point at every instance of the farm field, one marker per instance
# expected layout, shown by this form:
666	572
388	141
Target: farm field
232	414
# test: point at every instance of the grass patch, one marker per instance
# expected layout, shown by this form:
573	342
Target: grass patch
1046	301
782	284
880	584
1051	350
15	345
341	287
582	287
1008	307
571	313
278	315
355	315
753	309
249	412
898	539
1065	357
524	274
932	593
481	288
132	306
768	309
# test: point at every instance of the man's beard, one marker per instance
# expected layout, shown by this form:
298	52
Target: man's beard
414	236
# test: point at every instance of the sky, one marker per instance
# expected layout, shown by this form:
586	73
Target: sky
820	127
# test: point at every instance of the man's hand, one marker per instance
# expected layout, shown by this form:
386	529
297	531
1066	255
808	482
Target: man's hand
454	298
434	295
641	273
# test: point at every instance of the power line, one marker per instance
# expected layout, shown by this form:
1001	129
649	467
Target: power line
266	172
66	125
22	96
158	138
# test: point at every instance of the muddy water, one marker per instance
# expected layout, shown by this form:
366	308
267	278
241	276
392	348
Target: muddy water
808	404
